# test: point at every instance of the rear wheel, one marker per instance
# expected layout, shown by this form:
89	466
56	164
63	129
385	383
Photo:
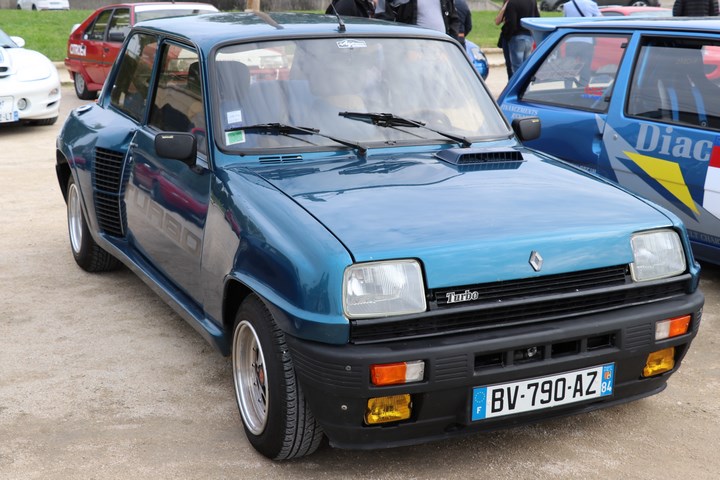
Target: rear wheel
81	88
88	254
276	418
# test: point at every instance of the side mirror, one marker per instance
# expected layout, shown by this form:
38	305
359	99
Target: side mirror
527	128
177	146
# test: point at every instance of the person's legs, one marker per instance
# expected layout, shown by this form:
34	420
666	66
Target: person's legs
506	55
520	47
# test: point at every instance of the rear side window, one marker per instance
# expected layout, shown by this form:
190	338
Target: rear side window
130	91
119	25
579	73
99	27
676	81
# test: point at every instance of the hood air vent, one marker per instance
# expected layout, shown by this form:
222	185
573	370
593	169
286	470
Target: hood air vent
492	158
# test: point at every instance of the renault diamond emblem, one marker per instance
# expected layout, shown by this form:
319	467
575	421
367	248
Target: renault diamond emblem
536	261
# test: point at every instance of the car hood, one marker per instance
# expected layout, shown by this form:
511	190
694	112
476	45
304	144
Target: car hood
470	224
28	65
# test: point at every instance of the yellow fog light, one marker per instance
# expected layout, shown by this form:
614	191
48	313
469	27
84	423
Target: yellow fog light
659	362
387	409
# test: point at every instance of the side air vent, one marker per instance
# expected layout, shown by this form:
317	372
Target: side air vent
281	159
476	157
109	183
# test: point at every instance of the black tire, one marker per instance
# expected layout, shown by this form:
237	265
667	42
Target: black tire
81	89
88	254
275	415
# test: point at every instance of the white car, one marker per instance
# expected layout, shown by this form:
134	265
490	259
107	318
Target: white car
43	5
29	84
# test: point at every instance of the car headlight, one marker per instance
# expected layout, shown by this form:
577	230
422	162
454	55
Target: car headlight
658	254
380	289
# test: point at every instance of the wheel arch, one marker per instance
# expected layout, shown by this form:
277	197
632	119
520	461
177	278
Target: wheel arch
234	295
62	169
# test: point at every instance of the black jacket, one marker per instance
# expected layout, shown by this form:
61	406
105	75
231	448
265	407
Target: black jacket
695	8
352	8
405	11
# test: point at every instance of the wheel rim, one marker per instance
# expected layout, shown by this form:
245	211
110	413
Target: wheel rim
79	83
250	376
75	219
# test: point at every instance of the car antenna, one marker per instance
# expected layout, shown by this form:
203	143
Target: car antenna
341	24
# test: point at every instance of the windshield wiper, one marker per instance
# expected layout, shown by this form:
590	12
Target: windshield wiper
287	129
391	120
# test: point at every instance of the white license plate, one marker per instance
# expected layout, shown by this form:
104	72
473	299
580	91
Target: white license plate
6	110
544	392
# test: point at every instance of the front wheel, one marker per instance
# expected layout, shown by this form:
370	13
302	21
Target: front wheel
88	254
275	415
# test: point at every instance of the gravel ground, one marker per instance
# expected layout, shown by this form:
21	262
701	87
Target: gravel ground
100	379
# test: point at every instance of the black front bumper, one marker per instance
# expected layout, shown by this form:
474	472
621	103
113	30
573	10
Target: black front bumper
336	379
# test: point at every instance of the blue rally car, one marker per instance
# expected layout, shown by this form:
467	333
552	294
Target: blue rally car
342	208
637	101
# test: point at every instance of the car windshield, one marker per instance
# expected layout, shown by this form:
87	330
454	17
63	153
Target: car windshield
330	86
6	41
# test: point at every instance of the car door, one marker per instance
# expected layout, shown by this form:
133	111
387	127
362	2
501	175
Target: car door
167	199
569	88
94	48
664	143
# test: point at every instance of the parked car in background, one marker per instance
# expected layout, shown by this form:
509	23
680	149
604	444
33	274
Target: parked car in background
342	208
478	58
553	5
94	44
617	11
637	101
29	84
43	5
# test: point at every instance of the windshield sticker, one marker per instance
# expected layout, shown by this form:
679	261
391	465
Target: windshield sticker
234	117
349	43
233	138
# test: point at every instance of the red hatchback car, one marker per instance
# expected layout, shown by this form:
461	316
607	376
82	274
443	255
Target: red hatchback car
94	44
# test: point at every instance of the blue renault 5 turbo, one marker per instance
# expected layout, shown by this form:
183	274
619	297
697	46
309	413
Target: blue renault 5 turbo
637	101
340	206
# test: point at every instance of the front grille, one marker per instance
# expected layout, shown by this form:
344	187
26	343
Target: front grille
506	304
108	181
550	284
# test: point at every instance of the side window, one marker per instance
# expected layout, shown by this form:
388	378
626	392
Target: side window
119	25
579	72
676	81
178	100
132	82
97	31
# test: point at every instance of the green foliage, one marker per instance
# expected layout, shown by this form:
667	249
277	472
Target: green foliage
48	31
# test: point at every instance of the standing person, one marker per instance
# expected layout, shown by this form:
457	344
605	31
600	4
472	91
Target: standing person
437	15
465	17
352	8
581	8
695	8
516	41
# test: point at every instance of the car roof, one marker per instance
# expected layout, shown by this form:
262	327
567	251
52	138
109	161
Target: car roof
688	24
210	29
157	4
